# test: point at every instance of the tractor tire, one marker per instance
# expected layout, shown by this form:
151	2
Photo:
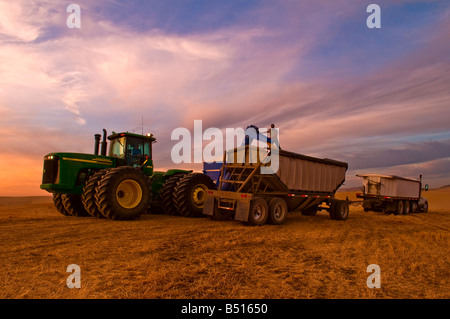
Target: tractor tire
259	212
156	207
278	211
88	195
340	210
167	193
57	200
190	193
73	205
123	193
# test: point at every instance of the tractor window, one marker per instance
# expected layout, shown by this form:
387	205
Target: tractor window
137	149
147	149
117	148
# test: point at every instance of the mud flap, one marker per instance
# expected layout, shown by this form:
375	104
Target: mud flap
242	210
208	208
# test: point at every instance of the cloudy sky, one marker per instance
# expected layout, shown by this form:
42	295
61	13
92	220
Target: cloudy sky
376	98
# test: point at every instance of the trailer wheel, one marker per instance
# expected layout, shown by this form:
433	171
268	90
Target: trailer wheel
57	200
88	195
399	208
259	212
166	194
73	205
190	193
277	211
406	208
123	193
414	207
332	204
425	208
340	210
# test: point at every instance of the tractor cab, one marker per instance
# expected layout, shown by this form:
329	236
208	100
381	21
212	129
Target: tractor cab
132	150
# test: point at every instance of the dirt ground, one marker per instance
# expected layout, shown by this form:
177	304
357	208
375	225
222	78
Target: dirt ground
166	257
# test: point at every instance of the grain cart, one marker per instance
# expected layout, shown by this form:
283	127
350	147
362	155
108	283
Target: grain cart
122	185
301	183
390	193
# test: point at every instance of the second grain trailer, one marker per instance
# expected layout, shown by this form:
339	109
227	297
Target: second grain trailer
390	193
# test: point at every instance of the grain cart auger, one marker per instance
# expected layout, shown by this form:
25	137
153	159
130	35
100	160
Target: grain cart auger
121	185
301	183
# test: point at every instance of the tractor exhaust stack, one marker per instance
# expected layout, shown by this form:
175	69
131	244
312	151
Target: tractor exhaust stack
97	143
103	151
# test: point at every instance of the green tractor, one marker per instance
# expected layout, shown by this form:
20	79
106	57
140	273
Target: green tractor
121	185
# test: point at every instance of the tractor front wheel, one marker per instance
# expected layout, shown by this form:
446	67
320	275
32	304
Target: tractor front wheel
57	200
73	205
88	195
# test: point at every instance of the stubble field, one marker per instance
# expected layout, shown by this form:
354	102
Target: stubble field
168	257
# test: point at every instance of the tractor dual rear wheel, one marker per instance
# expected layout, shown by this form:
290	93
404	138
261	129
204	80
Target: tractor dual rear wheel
190	194
123	193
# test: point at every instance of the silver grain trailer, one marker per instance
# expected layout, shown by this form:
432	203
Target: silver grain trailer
390	193
301	183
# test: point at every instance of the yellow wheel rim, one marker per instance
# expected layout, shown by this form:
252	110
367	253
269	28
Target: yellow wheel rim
129	193
198	195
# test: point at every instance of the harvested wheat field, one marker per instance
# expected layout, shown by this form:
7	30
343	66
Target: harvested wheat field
162	256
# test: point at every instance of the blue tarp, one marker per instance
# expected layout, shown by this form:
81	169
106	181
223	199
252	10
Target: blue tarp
213	171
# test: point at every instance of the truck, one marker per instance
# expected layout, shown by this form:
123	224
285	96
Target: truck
122	184
392	194
302	183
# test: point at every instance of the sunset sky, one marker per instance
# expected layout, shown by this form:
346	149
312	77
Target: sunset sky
378	99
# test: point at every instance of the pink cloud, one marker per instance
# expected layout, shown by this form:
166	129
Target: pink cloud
56	93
